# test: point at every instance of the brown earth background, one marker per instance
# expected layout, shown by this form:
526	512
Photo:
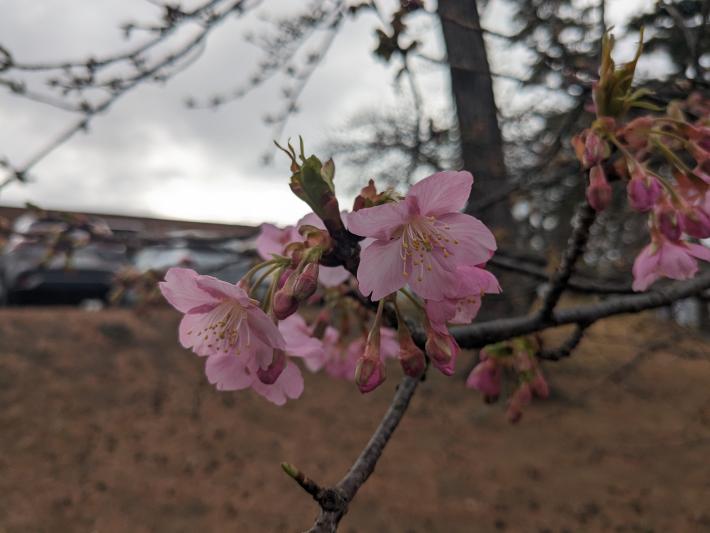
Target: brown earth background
107	425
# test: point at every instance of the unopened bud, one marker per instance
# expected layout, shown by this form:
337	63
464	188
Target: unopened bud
411	357
595	150
668	222
696	223
486	378
520	398
271	373
599	190
306	282
643	191
539	385
284	304
370	373
442	349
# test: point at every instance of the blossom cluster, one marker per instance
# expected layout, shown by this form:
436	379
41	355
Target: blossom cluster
417	252
516	358
664	159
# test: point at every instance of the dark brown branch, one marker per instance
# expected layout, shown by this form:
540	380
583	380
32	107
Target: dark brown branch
575	284
575	248
565	349
343	493
479	335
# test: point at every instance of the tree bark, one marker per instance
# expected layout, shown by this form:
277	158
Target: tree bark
481	140
472	88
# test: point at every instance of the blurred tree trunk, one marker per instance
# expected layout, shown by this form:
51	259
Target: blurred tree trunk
472	87
481	140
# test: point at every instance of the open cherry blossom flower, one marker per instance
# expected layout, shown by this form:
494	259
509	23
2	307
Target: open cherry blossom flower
238	338
665	258
421	239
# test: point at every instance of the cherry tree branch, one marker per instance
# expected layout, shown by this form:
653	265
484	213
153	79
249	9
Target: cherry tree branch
334	501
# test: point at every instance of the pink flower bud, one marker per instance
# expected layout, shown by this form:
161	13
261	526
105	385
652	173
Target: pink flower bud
520	398
306	282
668	221
284	304
695	222
411	357
486	378
539	385
370	371
271	373
283	277
643	191
599	190
442	349
595	150
636	132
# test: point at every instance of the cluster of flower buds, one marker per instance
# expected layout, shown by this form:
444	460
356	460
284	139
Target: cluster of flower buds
517	359
417	248
664	158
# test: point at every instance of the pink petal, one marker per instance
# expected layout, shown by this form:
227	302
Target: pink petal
436	279
227	372
219	289
476	243
299	341
676	262
264	329
443	192
271	240
181	291
381	270
188	332
440	311
332	276
699	251
644	269
288	385
380	222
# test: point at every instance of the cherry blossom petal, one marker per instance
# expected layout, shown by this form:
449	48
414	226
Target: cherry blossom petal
332	276
443	192
476	243
227	372
381	270
380	222
181	291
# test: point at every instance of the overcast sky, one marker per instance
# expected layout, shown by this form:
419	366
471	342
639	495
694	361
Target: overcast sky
149	154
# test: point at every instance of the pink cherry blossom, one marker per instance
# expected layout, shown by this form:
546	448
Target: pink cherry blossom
669	259
421	240
465	301
238	338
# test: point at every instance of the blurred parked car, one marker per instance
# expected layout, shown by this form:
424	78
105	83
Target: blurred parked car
50	260
138	284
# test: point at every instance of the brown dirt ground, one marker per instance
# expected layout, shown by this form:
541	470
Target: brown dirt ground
106	425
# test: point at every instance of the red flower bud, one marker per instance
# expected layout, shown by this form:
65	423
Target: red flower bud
306	282
599	190
411	357
284	304
270	374
668	221
643	191
520	398
442	349
370	371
